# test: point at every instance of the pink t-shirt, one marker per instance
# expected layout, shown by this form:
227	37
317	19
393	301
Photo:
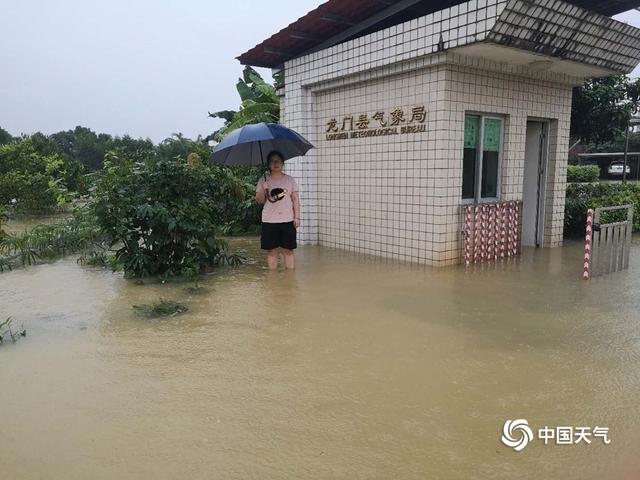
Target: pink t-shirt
280	208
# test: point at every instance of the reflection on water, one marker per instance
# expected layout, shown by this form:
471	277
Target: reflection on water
349	367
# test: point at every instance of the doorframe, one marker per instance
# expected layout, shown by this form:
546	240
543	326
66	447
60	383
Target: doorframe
543	175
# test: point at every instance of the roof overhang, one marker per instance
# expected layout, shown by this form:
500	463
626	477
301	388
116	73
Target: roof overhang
563	32
336	21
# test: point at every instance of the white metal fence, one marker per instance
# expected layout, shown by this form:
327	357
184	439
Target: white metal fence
608	245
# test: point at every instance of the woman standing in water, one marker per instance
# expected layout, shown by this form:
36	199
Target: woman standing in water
281	212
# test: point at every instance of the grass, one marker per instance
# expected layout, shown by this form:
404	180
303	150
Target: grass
162	308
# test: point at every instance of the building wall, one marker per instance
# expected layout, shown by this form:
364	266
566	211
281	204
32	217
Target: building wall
382	195
518	98
396	49
400	196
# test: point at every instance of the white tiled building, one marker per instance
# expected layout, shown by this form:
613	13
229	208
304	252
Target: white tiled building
415	113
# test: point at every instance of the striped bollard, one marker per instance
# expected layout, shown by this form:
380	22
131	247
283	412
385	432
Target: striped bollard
483	234
503	229
490	234
467	236
507	215
496	228
476	233
586	269
516	245
514	230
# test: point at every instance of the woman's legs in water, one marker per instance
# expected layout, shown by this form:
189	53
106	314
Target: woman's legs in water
272	259
289	259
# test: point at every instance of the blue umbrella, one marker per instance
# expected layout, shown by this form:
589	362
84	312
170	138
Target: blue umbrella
249	145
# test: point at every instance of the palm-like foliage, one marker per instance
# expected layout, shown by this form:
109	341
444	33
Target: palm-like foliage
259	103
49	241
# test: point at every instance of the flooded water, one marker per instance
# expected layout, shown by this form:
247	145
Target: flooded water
351	367
21	224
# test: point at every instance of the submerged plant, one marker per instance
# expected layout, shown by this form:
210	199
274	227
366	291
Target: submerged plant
162	308
195	288
232	260
5	329
50	241
4	264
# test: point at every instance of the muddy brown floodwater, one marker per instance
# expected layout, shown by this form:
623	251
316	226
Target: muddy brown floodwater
352	367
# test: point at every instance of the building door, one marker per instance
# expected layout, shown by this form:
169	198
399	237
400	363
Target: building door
535	174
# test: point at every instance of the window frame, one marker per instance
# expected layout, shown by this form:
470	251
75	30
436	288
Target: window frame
479	160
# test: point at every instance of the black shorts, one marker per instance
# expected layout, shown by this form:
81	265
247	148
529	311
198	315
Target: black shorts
276	235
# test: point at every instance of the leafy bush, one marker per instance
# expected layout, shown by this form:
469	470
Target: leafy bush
583	196
163	214
583	173
33	175
244	217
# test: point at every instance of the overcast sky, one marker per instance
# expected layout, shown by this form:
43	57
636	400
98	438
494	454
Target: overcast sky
142	67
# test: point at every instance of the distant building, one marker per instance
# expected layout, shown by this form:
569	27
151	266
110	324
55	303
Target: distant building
418	108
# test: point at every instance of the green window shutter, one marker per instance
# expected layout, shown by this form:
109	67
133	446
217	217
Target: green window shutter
471	125
491	139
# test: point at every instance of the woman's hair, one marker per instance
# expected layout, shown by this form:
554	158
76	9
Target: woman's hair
272	154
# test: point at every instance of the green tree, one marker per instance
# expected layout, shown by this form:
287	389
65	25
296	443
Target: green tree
84	145
259	103
5	137
129	147
601	108
616	144
163	214
31	176
71	170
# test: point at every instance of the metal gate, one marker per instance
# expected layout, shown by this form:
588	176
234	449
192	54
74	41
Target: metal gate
491	231
607	245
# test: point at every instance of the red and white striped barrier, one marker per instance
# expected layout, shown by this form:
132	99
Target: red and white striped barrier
483	233
586	269
496	229
467	235
516	218
491	231
476	233
503	229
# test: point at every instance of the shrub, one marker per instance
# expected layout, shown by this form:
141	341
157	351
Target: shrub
33	176
583	196
163	214
583	173
244	217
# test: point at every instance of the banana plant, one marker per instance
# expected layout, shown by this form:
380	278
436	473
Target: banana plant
259	103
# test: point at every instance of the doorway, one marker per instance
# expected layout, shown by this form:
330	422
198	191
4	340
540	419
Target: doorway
535	176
